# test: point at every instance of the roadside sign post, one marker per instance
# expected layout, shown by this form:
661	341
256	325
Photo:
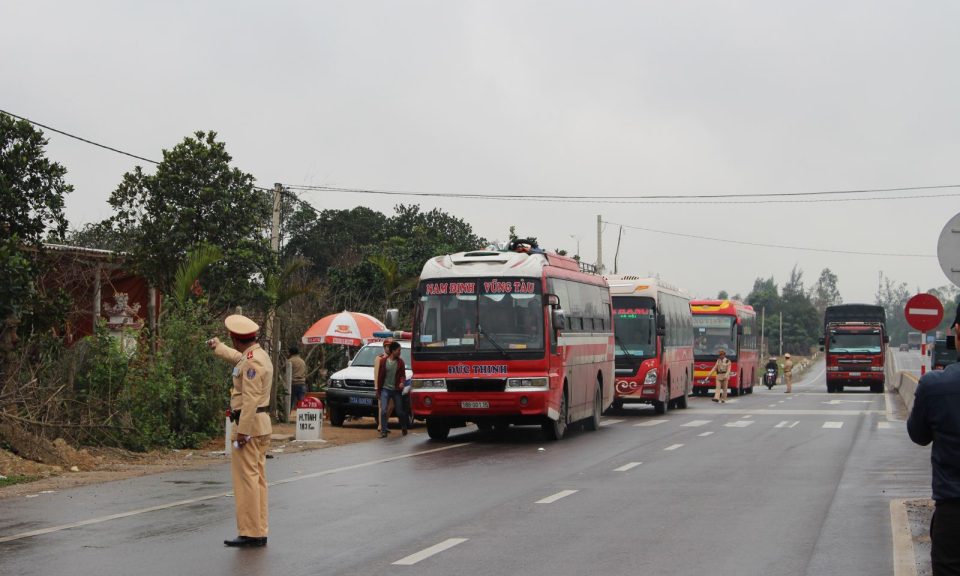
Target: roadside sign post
309	420
923	312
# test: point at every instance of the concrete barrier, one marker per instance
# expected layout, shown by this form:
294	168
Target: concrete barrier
906	385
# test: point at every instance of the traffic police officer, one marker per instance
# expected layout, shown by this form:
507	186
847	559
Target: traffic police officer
249	404
722	370
788	373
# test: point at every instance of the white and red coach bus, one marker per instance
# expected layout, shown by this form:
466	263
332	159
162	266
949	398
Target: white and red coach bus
653	330
520	336
729	325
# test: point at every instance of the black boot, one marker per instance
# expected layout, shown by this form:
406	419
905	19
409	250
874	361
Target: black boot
245	541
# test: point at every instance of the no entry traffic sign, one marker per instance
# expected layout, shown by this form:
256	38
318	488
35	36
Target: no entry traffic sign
924	312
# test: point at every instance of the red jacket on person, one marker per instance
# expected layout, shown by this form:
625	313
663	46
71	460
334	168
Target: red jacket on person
382	373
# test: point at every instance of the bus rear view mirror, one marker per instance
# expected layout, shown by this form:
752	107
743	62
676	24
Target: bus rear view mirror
886	339
553	300
739	329
661	325
821	348
393	319
821	343
558	319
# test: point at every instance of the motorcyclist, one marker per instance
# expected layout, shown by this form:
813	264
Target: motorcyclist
772	365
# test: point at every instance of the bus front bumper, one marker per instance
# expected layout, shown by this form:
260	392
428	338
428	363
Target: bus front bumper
470	405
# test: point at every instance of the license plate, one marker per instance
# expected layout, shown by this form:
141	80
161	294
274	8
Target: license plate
854	374
474	404
361	401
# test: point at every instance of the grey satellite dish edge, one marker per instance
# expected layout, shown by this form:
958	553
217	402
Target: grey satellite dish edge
948	250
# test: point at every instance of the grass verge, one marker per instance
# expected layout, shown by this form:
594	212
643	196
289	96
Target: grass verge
11	480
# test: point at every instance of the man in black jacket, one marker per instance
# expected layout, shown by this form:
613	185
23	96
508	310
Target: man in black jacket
936	418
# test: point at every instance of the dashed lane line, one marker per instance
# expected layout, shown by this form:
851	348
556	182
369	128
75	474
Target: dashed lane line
428	552
705	434
782	424
651	423
747	416
674	447
626	467
219	495
557	496
739	424
883	425
794	424
609	422
695	423
833	424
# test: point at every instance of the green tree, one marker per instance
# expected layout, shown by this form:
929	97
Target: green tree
723	295
765	299
196	197
801	323
31	186
893	297
825	292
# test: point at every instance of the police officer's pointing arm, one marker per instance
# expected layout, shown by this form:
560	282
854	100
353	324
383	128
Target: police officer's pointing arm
225	352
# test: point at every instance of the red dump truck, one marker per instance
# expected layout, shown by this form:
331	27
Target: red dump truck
855	339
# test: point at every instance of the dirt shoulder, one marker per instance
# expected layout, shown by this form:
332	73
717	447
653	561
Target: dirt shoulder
110	464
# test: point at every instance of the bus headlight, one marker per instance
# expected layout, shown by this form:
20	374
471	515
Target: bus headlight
429	384
526	384
650	378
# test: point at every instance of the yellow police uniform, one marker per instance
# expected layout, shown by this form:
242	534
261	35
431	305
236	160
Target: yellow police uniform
722	370
788	374
252	377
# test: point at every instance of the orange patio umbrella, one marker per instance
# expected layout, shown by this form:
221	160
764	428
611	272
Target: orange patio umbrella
345	328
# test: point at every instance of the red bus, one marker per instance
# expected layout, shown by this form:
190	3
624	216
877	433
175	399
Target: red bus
732	326
653	330
520	336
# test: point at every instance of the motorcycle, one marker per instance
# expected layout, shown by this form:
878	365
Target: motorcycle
770	378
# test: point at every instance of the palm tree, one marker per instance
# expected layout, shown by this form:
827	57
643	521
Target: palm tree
392	279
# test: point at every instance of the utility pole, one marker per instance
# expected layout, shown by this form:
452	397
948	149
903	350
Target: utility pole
599	244
273	322
616	255
781	333
763	321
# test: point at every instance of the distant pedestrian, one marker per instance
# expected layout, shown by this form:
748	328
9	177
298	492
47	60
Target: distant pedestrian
936	418
376	372
390	381
249	407
722	370
788	373
298	389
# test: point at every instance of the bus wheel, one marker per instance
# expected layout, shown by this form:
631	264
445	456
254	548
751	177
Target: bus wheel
592	424
830	388
681	402
617	405
734	392
876	388
554	430
438	429
662	407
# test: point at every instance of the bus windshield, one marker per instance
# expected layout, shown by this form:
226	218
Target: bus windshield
470	315
712	333
856	343
635	326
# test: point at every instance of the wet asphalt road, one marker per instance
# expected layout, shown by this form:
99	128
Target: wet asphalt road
770	483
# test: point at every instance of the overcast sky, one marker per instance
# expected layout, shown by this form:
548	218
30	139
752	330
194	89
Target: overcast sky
591	98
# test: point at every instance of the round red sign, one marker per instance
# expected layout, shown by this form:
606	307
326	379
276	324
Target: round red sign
924	312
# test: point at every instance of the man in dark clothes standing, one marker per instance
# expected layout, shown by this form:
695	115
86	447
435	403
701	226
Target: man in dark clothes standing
936	418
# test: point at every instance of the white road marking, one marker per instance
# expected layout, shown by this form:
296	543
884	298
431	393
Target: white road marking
794	424
609	422
849	402
833	424
883	425
782	402
219	495
674	447
626	467
705	434
428	552
747	416
557	496
696	423
782	424
772	405
651	423
780	412
739	424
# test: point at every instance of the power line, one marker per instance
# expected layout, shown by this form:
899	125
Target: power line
613	199
806	249
104	146
600	200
